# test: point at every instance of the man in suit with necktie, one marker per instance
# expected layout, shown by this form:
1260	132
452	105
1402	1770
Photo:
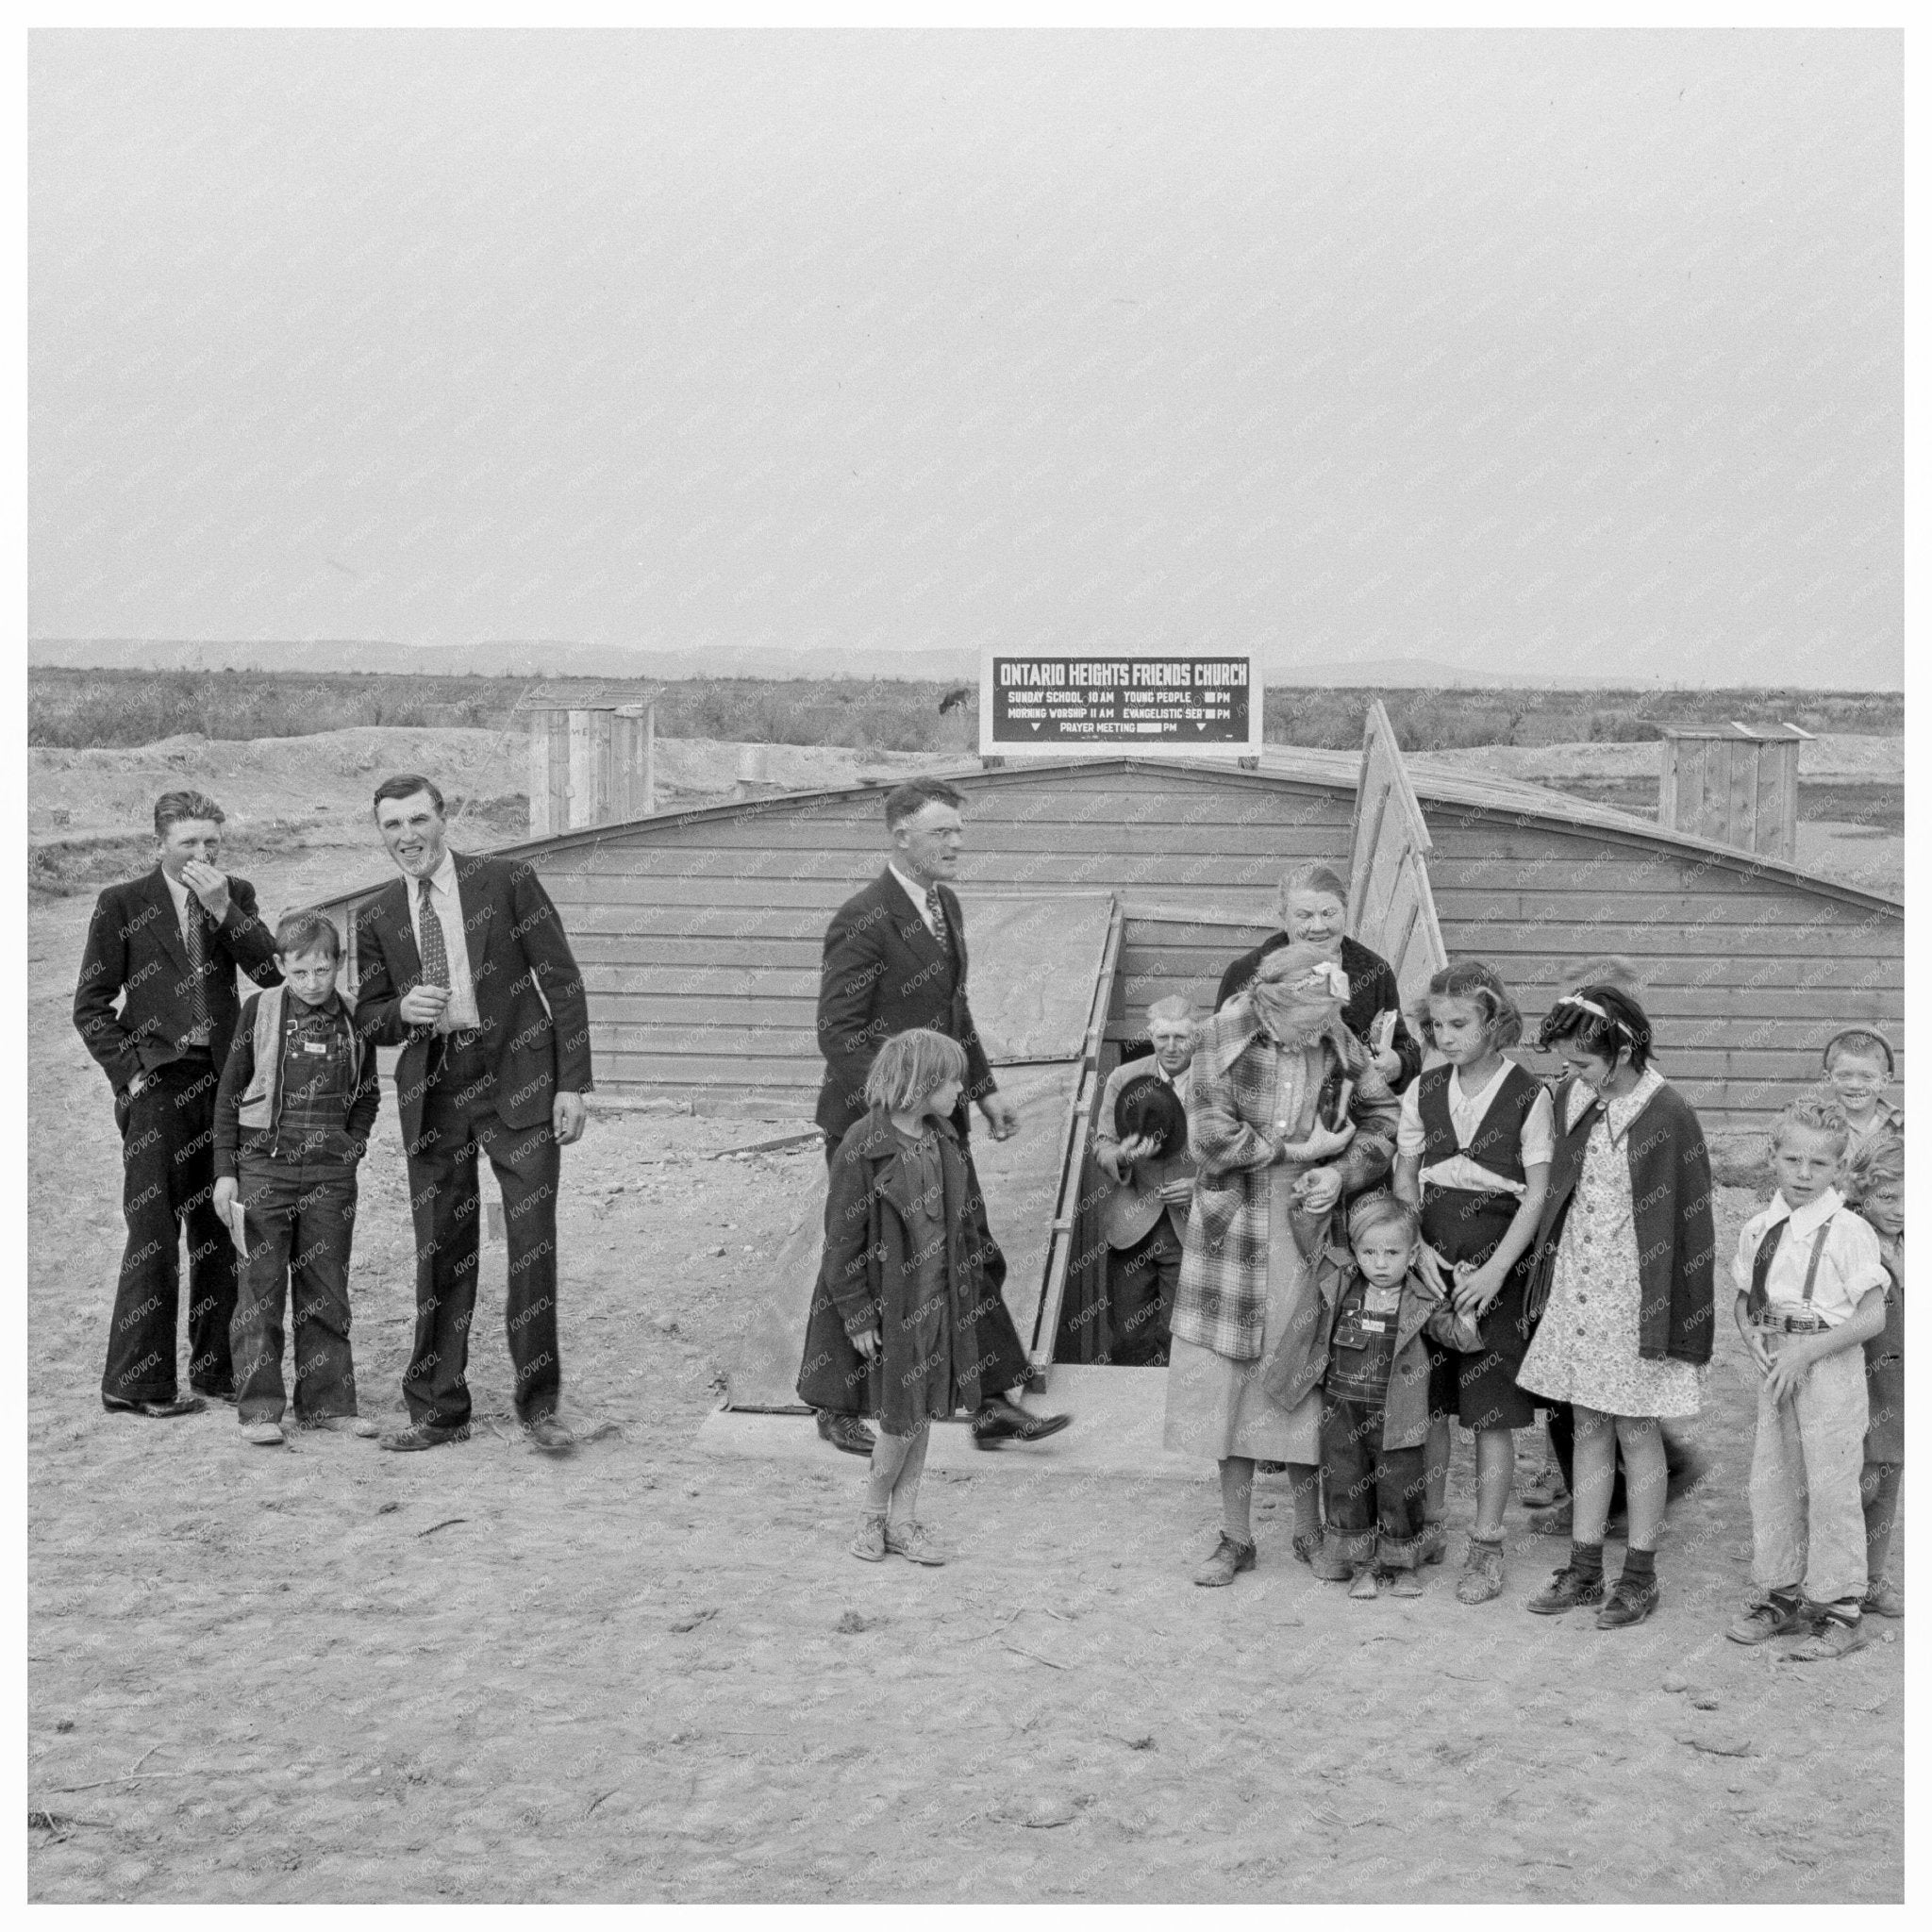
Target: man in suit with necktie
463	962
167	945
896	958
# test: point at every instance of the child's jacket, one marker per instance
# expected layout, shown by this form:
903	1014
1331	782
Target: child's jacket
1300	1358
1885	1364
248	1104
871	1277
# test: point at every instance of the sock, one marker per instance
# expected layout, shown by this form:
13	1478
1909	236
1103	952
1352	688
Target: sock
1495	1542
906	1489
1587	1559
1639	1566
1847	1609
887	1458
1787	1598
1236	1491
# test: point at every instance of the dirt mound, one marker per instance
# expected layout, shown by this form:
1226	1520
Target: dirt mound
1843	755
330	775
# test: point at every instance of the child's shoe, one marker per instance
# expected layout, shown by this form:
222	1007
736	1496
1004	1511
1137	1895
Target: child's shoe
1363	1589
264	1435
1630	1601
1568	1589
344	1424
910	1540
869	1545
1227	1563
1777	1616
1482	1573
1401	1583
1831	1637
1329	1565
1885	1599
1546	1488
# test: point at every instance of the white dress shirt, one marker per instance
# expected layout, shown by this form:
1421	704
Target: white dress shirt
916	892
181	896
460	1013
1850	1267
1467	1112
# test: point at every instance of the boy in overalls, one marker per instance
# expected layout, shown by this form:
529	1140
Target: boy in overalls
297	1099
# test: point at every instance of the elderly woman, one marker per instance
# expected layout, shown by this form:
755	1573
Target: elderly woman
1286	1113
1313	911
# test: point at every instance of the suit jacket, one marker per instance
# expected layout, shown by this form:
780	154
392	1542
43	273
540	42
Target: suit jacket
530	1004
1130	1207
134	947
883	974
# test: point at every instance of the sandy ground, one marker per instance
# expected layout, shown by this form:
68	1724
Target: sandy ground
324	1673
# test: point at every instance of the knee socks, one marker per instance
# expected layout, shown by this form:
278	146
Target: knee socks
897	1463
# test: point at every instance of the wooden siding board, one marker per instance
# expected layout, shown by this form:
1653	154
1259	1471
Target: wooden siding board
616	1072
1479	904
716	954
617	980
808	852
1676	942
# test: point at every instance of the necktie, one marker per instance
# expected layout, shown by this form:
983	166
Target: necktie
936	912
196	937
434	953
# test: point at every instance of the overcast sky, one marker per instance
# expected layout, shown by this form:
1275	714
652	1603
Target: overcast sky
1565	352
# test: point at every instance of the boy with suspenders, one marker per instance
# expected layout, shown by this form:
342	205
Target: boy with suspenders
1810	1284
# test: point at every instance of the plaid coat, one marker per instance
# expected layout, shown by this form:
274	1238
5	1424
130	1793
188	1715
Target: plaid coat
1222	1294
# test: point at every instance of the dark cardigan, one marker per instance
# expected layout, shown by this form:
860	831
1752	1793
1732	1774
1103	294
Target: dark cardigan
1372	990
1671	1200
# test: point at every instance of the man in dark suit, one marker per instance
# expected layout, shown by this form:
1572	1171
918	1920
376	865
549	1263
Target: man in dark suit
166	945
463	962
896	958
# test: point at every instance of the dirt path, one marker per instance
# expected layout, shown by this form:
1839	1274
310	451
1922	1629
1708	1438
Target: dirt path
640	1673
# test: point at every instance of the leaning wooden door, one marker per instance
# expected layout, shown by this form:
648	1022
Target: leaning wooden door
1391	908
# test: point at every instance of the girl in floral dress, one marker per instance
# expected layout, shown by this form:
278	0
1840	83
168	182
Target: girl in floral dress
1623	1277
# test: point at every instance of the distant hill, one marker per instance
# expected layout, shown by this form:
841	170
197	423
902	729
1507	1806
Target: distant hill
538	657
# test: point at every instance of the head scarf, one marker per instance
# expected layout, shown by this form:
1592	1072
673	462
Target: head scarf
1298	990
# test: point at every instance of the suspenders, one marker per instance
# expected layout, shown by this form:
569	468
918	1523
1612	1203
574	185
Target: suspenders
1759	1296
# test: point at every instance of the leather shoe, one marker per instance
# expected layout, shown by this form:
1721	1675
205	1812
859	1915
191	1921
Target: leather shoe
1329	1565
1000	1420
1566	1591
844	1432
181	1405
548	1433
1629	1602
1227	1563
425	1436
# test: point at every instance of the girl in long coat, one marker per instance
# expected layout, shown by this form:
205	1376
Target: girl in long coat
1287	1112
906	1321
